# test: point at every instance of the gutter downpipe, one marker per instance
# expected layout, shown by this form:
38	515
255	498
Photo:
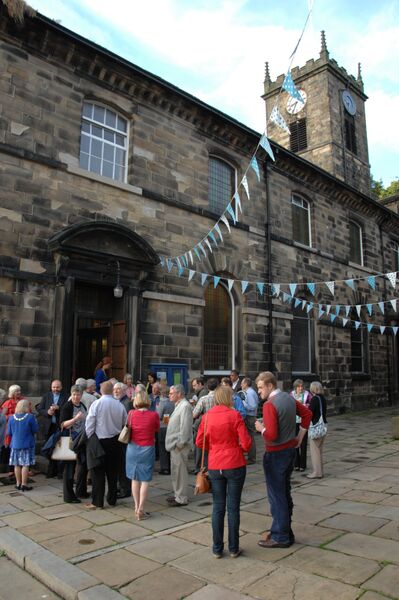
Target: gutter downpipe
272	366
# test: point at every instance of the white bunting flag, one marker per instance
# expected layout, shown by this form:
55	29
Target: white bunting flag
344	321
292	287
264	142
230	283
219	231
278	120
392	278
238	201
191	274
381	307
382	329
226	222
393	302
276	289
358	308
331	285
245	185
203	278
244	285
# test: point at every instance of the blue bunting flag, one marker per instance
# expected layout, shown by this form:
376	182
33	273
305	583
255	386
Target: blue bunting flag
203	278
216	280
292	287
244	285
254	165
311	287
260	285
371	281
289	86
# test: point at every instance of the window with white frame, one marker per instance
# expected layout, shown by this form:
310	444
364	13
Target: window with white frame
355	243
302	345
219	328
222	183
301	220
359	338
103	142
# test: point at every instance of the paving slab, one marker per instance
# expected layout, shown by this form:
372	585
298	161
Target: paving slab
308	514
120	531
185	515
158	522
250	549
325	491
313	535
23	519
17	583
57	574
332	565
302	499
118	568
216	592
352	508
58	512
367	496
99	592
49	500
389	531
20	501
166	583
373	596
100	517
356	523
391	500
367	546
253	522
77	543
55	529
162	549
386	512
8	509
230	572
385	582
286	584
198	534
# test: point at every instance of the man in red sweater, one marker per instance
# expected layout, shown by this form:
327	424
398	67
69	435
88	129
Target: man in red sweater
278	432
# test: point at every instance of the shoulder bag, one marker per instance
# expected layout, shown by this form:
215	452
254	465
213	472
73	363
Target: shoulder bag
125	434
62	449
202	481
318	430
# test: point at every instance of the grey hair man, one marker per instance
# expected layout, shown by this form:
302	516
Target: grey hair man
178	441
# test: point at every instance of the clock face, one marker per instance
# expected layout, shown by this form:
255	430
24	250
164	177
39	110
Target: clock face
348	102
294	106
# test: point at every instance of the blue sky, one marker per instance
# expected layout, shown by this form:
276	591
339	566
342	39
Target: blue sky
216	50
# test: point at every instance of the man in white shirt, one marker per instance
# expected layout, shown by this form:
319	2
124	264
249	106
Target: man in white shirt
235	381
106	418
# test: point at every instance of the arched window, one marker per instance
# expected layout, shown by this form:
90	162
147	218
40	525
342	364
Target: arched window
103	142
355	243
302	343
221	184
301	220
218	329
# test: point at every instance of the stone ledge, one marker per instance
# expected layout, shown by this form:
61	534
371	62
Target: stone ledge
173	298
17	546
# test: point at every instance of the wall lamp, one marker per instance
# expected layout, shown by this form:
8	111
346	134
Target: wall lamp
118	289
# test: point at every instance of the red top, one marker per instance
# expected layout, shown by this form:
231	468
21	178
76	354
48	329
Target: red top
144	424
226	438
8	408
270	416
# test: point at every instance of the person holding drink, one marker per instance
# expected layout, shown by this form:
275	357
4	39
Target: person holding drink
164	409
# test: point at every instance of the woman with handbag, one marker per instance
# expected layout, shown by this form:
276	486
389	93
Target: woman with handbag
304	397
72	420
226	439
140	454
318	406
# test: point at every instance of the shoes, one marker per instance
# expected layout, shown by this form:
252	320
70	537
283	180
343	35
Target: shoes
74	501
26	488
164	472
18	487
91	506
302	469
170	499
121	495
236	554
296	469
314	476
270	543
217	554
176	503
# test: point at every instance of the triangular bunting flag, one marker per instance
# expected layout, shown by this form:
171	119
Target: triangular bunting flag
350	283
180	271
286	297
292	287
232	213
382	307
344	321
333	317
297	302
260	287
208	244
393	303
254	165
245	184
183	259
337	309
321	311
328	308
371	281
331	286
230	283
347	310
357	324
238	201
382	329
178	262
212	236
197	253
216	280
289	86
191	274
278	120
203	278
309	307
395	330
219	231
276	289
162	261
244	285
264	142
358	308
392	278
169	264
201	248
311	287
304	303
191	256
369	309
226	222
369	327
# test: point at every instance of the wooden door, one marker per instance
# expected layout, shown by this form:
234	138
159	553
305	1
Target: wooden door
118	349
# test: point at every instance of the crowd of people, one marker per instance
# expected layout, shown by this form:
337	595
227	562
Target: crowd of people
117	430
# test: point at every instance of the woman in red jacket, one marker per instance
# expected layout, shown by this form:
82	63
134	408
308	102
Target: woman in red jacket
226	439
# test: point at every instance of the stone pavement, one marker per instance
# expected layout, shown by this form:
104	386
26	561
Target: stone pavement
346	527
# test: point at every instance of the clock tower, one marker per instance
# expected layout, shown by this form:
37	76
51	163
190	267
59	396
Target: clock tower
328	127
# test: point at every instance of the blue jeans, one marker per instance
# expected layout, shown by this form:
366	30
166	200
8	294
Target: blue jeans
226	490
278	467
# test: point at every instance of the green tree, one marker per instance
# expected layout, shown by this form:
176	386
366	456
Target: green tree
379	191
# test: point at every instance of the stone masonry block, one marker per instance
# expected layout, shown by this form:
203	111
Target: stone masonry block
17	546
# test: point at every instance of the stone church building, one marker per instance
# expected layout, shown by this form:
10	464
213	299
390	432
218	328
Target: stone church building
106	169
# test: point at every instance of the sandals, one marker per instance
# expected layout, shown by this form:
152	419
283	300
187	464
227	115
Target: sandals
141	515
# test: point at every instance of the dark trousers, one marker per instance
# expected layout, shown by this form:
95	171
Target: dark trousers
300	453
164	455
250	424
278	467
70	467
226	491
124	483
107	469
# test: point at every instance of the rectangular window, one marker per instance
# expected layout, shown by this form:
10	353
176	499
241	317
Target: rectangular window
300	221
358	350
355	243
301	343
350	133
221	185
298	137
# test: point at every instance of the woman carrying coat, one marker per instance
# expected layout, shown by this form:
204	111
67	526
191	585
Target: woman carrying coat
226	439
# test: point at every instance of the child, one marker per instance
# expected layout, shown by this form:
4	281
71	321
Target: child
22	427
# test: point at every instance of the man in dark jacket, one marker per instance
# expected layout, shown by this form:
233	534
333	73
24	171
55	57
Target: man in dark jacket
49	411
